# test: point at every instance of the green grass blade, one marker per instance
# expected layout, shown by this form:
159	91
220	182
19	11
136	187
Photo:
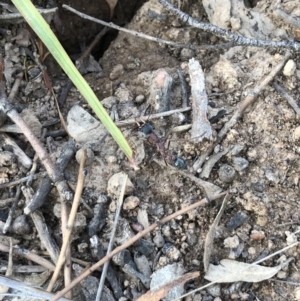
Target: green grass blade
44	32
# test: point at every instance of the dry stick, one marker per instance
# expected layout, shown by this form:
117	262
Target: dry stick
12	211
30	256
287	97
242	270
19	181
112	239
68	230
55	174
15	87
289	19
65	210
152	116
249	100
235	38
145	36
131	241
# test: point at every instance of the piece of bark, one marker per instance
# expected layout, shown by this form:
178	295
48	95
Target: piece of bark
201	127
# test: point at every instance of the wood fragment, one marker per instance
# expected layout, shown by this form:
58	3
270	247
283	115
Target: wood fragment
201	127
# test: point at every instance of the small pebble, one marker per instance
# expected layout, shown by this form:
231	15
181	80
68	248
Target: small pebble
226	173
82	247
131	202
232	242
89	156
159	240
21	225
257	235
297	133
239	163
281	275
171	251
140	98
117	71
289	68
237	220
251	251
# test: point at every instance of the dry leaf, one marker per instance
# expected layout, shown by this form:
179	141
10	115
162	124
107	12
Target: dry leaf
112	4
163	291
231	271
211	234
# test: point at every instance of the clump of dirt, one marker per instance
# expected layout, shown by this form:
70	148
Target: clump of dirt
258	158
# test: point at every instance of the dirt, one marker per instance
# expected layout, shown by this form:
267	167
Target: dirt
264	148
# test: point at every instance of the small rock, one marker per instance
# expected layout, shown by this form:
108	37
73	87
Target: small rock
137	227
140	98
214	290
89	156
258	186
239	163
237	220
232	242
165	275
251	251
290	237
21	225
7	158
171	252
131	202
108	102
79	223
144	247
297	294
226	173
115	183
82	247
289	68
32	121
186	54
117	71
297	133
124	231
281	275
159	240
257	235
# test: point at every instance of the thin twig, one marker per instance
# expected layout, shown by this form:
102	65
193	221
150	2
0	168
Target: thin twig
235	38
30	256
145	36
112	239
12	211
244	269
131	241
289	19
152	116
15	87
22	180
68	230
287	97
68	262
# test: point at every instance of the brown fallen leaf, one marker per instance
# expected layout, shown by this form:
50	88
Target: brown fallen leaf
112	4
232	271
208	245
163	291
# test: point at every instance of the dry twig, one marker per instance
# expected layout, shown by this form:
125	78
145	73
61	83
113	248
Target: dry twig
184	210
145	36
235	38
68	230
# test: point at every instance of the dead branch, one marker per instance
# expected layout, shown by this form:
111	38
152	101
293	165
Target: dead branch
235	38
203	202
30	256
152	116
145	36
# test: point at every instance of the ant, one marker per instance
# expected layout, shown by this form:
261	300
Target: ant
152	138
